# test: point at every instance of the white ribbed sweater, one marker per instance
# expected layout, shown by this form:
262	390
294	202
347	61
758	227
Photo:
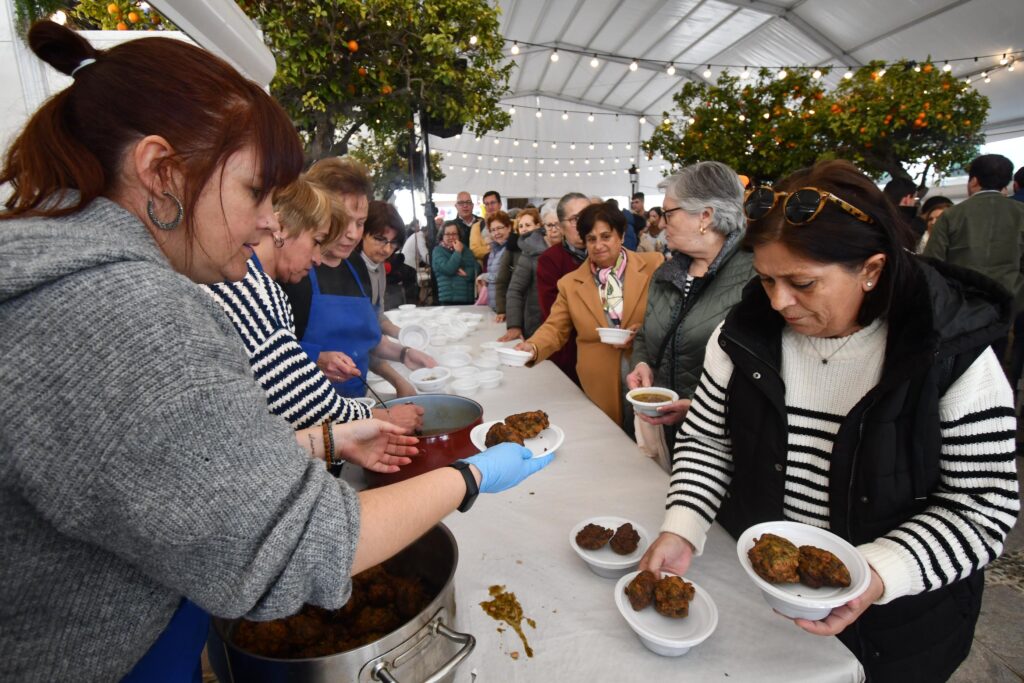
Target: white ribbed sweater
977	500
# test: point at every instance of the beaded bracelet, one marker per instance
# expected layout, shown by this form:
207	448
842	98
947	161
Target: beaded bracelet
328	443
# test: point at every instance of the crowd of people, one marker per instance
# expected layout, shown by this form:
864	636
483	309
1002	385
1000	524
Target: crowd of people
169	255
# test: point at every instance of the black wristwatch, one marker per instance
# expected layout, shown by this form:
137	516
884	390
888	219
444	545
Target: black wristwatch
472	490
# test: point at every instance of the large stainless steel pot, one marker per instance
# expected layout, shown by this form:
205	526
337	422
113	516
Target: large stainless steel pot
447	422
425	648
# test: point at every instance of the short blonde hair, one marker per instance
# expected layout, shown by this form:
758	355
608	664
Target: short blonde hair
341	175
303	207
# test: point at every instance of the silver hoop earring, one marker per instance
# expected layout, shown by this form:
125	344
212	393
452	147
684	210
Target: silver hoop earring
173	223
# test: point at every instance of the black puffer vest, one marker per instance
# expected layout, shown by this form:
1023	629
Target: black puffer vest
885	462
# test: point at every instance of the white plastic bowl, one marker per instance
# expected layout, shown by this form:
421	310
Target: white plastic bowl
414	336
491	345
439	339
487	361
427	380
407	307
460	373
467	386
461	348
795	600
664	635
490	379
454	359
606	562
614	335
650	408
513	358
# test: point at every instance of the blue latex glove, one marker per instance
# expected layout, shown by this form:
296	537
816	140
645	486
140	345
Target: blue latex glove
505	465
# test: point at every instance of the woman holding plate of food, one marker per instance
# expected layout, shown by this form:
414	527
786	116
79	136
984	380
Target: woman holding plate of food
853	389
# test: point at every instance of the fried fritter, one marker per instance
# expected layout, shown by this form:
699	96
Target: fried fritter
593	537
672	597
775	559
640	590
502	433
819	568
625	540
528	424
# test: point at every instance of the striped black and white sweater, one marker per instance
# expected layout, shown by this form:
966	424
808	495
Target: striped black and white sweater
296	388
977	502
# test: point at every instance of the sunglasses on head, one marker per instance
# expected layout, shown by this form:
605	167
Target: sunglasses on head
799	207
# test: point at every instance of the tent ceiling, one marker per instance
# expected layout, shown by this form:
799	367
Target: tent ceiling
694	33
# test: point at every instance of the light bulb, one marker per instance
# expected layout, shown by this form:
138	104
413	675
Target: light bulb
515	143
594	62
497	141
667	121
590	118
707	72
538	113
572	145
782	74
817	74
671	70
848	75
554	55
515	48
565	116
766	115
512	111
610	146
535	144
472	40
1002	62
742	118
633	66
946	67
643	120
746	73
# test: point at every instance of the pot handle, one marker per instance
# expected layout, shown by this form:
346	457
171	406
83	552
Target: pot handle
468	642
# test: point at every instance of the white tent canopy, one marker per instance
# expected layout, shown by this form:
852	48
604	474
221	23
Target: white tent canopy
692	34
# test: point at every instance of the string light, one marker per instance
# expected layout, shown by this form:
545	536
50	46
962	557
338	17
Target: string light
565	116
515	48
671	70
1012	65
554	55
512	111
594	62
817	74
572	145
707	72
633	66
515	143
746	73
472	40
591	146
535	144
881	72
1002	62
590	118
742	118
848	75
946	67
667	121
643	120
782	74
538	114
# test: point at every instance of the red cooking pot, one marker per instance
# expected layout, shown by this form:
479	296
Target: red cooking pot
444	438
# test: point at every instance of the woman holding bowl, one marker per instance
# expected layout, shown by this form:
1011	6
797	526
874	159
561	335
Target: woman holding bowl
853	389
609	289
690	293
145	484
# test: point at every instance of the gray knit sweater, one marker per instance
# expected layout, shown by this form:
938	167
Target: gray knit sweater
138	461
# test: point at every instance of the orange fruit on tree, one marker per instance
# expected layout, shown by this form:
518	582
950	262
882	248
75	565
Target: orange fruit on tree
121	26
362	71
112	8
353	46
351	89
927	68
133	17
386	89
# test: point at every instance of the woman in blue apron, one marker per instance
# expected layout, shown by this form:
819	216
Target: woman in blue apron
344	323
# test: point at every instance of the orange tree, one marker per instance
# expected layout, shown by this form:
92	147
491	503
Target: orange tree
763	127
116	16
387	158
884	119
347	64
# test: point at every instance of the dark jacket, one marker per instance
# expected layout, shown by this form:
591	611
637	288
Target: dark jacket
453	288
672	340
554	263
508	262
522	308
885	461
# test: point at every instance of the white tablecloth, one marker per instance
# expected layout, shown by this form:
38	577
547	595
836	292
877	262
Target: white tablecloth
520	539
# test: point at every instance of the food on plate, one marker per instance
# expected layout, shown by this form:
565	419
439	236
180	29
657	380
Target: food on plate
593	537
640	590
502	433
651	397
625	540
380	603
775	559
672	596
528	424
819	568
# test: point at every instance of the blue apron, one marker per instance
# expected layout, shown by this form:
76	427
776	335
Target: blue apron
175	656
344	323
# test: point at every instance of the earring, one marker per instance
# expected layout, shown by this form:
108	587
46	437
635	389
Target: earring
173	223
703	229
869	283
278	240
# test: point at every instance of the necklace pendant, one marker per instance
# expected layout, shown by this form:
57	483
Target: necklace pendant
824	361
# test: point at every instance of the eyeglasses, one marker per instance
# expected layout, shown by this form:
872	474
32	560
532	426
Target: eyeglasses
551	224
381	240
573	219
464	203
665	213
799	207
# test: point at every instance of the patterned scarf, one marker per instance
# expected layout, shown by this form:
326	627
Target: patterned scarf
609	285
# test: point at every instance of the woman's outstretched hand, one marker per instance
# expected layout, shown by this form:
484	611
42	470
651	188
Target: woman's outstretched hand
374	445
670	553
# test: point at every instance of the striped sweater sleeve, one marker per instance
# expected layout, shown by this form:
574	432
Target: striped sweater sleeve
296	388
702	462
976	503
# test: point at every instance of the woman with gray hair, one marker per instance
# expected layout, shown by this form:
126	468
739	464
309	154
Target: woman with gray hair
702	216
